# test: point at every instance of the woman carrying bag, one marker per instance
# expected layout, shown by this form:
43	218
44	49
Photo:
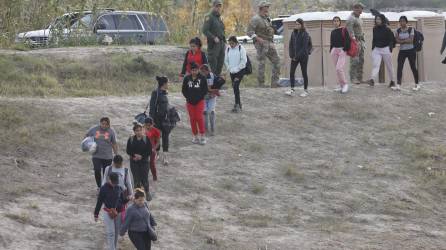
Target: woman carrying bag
236	60
159	107
140	223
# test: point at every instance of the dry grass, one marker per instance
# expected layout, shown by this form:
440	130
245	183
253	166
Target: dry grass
23	218
115	74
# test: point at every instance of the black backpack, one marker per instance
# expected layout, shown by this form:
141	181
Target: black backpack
418	38
171	119
248	68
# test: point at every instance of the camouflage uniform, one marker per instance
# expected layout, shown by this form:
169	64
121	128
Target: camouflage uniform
354	27
214	27
262	27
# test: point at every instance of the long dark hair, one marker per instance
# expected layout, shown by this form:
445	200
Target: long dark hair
383	19
196	41
301	22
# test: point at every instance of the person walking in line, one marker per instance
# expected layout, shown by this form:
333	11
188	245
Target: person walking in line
354	27
261	30
299	50
339	45
154	136
236	60
139	148
210	99
139	222
159	105
195	54
405	37
125	178
214	30
382	45
105	138
112	197
194	89
443	46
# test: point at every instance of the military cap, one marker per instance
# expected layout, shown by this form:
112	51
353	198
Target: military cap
359	5
217	2
264	4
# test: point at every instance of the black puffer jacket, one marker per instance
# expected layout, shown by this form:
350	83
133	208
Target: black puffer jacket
159	104
300	44
383	37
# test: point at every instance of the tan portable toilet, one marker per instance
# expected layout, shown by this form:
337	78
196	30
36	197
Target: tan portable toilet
321	70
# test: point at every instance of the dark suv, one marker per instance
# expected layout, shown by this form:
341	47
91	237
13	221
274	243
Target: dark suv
106	26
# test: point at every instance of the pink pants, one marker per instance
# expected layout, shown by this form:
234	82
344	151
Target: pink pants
379	54
339	56
196	117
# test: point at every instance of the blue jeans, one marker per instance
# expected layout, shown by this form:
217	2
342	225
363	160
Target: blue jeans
112	230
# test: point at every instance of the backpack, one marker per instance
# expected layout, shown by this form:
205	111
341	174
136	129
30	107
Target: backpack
248	68
171	119
354	48
126	173
418	38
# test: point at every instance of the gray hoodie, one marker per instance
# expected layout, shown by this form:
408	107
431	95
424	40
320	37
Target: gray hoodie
137	219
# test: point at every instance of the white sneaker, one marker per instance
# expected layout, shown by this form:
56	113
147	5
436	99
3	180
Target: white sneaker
203	140
304	94
165	159
416	88
338	88
290	92
195	140
396	87
344	89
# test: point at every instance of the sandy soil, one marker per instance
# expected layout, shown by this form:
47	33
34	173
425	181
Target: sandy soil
359	171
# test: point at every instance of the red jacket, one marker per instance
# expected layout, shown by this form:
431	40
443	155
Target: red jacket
199	58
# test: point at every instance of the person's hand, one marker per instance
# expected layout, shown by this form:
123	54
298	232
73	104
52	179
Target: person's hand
216	40
130	198
181	78
259	40
138	157
236	79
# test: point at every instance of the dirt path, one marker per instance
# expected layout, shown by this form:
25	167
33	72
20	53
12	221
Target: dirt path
357	171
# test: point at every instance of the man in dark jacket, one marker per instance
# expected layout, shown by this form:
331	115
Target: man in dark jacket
112	197
214	30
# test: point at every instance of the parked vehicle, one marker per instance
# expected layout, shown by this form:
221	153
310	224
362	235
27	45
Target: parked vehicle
106	26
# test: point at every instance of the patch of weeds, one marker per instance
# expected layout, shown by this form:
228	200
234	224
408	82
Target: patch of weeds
256	220
34	206
333	225
257	188
22	218
256	148
228	185
291	172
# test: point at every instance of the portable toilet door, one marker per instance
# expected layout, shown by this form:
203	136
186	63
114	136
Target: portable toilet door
330	77
367	27
429	59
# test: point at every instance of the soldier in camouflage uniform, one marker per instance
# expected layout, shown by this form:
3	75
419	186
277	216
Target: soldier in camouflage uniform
354	27
262	32
214	30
